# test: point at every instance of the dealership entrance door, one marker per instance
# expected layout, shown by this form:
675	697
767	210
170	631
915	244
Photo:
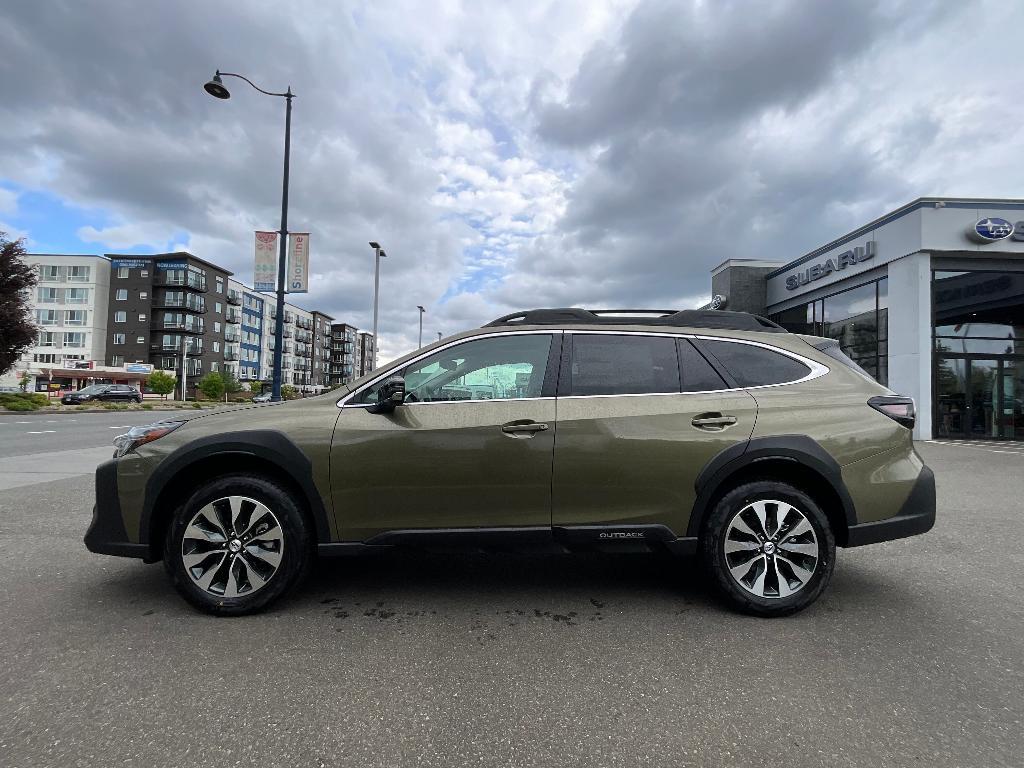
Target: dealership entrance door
979	396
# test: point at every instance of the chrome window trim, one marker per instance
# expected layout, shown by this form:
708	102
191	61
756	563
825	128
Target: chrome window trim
817	369
343	402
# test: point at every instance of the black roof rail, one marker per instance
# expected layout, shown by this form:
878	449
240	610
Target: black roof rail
688	318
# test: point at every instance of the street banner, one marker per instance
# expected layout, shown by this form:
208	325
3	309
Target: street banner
264	274
298	262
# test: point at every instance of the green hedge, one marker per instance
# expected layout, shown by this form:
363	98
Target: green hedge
23	401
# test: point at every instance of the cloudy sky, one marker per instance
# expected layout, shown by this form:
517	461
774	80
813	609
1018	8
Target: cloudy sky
600	153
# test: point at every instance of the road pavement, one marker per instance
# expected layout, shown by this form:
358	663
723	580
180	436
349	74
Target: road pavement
914	656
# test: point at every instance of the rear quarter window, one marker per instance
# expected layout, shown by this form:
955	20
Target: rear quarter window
755	366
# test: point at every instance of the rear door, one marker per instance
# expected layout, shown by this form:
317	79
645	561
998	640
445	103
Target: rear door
639	415
471	447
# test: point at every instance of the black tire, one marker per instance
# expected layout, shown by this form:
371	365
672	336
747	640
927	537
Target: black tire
295	552
717	562
138	400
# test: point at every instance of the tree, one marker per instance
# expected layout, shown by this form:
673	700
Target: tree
212	386
231	384
162	383
17	331
288	392
256	387
24	381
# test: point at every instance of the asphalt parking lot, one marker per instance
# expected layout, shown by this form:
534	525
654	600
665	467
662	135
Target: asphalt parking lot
914	656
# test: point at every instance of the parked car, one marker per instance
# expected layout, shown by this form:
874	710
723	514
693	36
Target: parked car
711	433
262	398
103	393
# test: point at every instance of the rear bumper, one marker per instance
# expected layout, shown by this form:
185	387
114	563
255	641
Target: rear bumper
917	515
106	534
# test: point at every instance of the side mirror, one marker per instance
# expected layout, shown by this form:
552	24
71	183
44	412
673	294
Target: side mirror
390	396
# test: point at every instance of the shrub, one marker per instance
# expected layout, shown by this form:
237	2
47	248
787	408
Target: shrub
17	404
147	406
39	398
289	392
197	405
212	386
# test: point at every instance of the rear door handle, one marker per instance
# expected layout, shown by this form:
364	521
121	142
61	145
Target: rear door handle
713	421
524	428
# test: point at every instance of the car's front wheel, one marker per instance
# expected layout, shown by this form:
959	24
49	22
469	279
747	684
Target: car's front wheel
236	545
769	548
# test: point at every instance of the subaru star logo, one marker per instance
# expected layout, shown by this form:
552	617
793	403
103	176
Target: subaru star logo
990	229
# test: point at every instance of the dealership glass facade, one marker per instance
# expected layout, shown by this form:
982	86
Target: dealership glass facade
978	337
856	317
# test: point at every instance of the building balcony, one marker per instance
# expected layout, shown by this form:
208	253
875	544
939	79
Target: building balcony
230	355
234	297
232	336
233	316
175	349
179	325
194	282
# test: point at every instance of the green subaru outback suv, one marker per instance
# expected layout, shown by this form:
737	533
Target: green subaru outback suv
693	432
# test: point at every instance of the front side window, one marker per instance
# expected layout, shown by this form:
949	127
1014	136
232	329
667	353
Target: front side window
498	368
755	366
604	364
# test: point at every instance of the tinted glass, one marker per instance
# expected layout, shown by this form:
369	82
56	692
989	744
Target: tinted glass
499	368
756	366
603	364
697	373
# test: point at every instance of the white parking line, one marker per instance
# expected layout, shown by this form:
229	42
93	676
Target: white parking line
979	447
126	426
43	432
23	422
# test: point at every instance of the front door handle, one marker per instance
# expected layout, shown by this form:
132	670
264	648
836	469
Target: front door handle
523	428
713	421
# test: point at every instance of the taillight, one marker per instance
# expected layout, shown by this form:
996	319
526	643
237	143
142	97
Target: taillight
898	408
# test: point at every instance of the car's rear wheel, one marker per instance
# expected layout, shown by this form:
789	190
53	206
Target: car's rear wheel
236	545
769	548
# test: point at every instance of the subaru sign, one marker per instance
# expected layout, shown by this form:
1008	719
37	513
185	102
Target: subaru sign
830	265
992	229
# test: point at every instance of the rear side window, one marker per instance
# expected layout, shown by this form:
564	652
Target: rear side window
836	353
755	366
696	372
603	364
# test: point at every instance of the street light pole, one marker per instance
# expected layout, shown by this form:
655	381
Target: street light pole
422	310
216	88
378	255
438	335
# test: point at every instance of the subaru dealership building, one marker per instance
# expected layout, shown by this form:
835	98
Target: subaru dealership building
928	299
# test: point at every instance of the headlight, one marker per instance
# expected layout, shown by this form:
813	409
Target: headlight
141	435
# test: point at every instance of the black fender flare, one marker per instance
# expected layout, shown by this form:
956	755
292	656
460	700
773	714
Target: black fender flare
267	444
800	449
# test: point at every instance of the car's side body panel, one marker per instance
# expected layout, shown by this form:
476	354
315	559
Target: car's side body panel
442	465
634	459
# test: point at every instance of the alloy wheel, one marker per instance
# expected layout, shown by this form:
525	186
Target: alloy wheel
771	549
233	546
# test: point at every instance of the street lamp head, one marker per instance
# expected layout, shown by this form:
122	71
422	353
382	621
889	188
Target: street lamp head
375	245
215	87
420	308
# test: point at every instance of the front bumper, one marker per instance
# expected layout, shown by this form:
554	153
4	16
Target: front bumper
916	516
106	534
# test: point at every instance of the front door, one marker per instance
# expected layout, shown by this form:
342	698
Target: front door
979	397
470	448
638	418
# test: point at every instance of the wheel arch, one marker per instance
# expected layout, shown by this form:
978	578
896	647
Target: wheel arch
796	459
266	453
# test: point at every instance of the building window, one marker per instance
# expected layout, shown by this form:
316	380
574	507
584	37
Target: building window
123	272
47	317
143	295
117	360
47	339
121	295
47	295
857	318
119	338
74	317
78	274
74	339
76	295
216	326
220	285
142	318
49	273
216	346
140	339
120	317
217	307
214	366
44	358
144	272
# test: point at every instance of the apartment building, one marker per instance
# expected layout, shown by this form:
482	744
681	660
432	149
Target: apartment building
69	305
343	353
365	349
170	310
